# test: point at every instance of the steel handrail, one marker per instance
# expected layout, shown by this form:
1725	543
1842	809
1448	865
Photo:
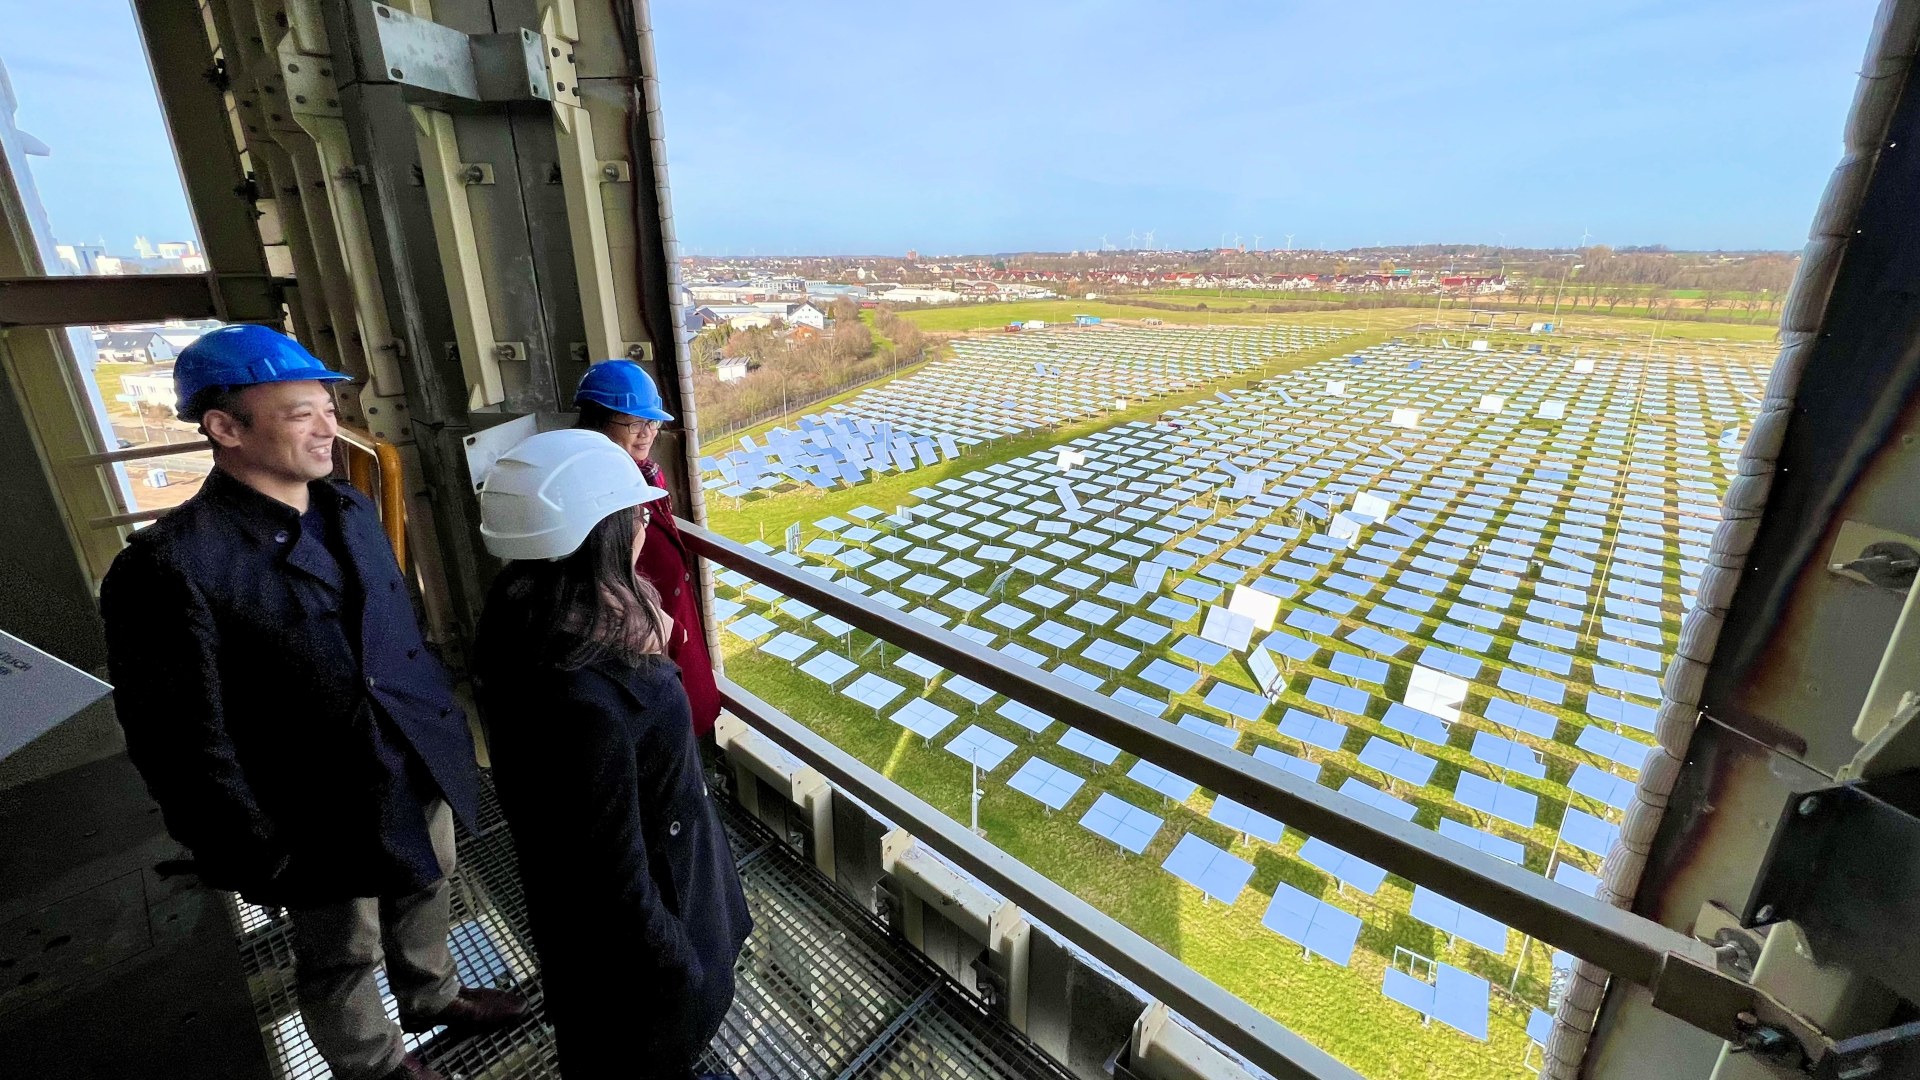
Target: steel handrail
373	466
141	453
378	476
1682	972
1249	1032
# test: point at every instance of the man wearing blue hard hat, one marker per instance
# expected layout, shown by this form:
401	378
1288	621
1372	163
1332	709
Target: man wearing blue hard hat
618	399
283	707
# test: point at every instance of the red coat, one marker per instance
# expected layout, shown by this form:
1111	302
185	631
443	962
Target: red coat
666	562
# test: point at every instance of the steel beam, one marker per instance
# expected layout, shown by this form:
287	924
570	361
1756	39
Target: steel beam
191	87
97	301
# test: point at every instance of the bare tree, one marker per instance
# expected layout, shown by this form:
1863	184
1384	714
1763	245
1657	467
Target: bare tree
1617	291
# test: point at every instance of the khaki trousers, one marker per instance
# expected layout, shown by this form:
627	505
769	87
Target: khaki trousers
338	949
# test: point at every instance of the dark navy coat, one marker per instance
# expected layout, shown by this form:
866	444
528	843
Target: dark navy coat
631	888
265	718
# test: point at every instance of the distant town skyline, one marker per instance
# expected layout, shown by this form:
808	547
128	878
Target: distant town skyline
1698	125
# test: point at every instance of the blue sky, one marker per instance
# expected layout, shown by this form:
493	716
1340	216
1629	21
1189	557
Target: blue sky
857	127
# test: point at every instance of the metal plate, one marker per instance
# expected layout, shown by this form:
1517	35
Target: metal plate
1845	866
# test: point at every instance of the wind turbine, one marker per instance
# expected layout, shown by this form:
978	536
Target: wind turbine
1236	240
1584	236
1289	242
1256	243
1149	240
1104	246
1133	240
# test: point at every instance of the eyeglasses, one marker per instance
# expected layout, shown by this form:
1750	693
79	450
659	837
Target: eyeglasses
643	425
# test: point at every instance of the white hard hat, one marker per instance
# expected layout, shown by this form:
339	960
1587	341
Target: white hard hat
542	498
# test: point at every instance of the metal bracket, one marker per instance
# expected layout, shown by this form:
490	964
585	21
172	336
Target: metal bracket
1889	1054
1874	556
1845	866
447	68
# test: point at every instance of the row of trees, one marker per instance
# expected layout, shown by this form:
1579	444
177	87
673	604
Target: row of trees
1657	284
790	367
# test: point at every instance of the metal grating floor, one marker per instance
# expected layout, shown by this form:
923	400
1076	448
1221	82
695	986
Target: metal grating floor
824	991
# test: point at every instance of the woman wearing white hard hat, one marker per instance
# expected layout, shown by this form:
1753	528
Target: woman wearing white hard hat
636	906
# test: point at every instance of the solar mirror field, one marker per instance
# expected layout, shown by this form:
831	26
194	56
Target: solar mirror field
990	389
1439	581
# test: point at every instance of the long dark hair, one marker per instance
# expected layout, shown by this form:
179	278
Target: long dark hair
582	609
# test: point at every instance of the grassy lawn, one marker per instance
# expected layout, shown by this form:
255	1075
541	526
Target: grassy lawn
879	339
992	316
1627	321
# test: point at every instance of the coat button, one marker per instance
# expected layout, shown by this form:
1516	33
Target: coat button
280	537
393	586
676	590
413	654
673	829
446	711
372	683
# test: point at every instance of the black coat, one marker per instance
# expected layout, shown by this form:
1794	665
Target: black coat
263	723
636	906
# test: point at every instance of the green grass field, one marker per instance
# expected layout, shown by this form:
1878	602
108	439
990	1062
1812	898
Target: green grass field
1627	322
989	316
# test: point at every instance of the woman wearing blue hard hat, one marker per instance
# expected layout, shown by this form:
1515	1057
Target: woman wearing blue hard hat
618	399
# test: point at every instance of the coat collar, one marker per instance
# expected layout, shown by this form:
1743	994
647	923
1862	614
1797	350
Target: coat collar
275	525
662	518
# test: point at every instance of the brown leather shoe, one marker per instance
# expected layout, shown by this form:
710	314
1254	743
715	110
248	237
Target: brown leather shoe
475	1010
412	1068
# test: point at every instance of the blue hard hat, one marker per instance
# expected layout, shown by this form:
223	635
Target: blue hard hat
243	354
625	387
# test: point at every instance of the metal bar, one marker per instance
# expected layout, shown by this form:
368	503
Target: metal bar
1629	946
1245	1029
95	301
886	1036
373	465
141	453
388	476
114	521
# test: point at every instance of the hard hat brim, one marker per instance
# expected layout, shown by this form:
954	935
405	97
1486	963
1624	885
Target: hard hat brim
188	415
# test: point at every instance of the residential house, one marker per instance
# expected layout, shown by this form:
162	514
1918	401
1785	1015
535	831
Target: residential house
807	315
150	392
134	347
